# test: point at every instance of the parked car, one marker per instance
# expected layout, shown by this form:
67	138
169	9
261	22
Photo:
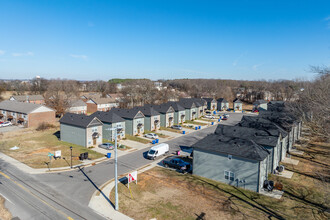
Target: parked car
208	112
177	163
209	116
151	136
5	124
107	146
255	110
226	115
177	127
158	150
224	118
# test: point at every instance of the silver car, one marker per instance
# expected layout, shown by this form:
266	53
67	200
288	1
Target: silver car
107	146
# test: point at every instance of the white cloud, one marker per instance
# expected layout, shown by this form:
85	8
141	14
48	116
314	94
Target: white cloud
22	54
84	57
2	52
256	66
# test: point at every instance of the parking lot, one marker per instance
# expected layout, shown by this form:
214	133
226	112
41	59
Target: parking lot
9	128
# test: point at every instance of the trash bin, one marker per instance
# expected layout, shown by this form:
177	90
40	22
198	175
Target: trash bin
183	132
196	128
157	140
214	112
199	127
234	110
212	123
219	120
153	141
108	155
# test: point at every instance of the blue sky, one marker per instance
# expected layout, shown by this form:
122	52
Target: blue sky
163	39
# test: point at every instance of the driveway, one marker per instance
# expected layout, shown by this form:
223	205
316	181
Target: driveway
9	128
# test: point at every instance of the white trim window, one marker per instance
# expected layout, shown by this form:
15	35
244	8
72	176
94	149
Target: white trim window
229	175
94	129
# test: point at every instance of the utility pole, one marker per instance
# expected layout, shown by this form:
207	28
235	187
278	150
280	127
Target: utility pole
71	156
116	167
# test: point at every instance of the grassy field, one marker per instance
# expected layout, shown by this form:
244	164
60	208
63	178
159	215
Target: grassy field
138	139
34	147
195	122
4	213
171	130
166	194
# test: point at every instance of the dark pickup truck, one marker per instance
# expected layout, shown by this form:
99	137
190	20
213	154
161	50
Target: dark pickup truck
177	163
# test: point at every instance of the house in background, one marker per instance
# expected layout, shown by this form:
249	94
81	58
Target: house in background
211	103
77	106
101	104
238	105
179	112
166	114
223	104
134	120
235	161
111	120
151	117
190	107
81	130
260	105
26	114
35	99
201	105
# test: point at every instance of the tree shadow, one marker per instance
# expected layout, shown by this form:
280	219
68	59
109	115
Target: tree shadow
96	187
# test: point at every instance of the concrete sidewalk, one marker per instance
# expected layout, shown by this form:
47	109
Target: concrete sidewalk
101	203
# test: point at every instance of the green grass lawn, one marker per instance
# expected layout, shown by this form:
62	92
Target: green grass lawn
138	139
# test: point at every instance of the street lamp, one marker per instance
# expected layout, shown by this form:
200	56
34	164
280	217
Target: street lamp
117	131
71	156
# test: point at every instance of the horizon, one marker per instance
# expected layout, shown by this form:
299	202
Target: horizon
168	40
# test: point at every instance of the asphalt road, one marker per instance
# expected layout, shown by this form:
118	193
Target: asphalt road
81	184
66	195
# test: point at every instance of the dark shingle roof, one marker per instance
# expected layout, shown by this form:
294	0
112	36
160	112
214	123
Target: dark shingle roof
163	108
187	103
108	117
148	110
261	124
128	113
258	102
222	100
79	120
198	101
209	99
234	146
237	100
176	106
263	137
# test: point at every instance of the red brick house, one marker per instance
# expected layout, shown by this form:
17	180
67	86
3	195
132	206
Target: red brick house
35	99
24	113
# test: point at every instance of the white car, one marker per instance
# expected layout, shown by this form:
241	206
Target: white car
5	124
209	116
151	136
226	115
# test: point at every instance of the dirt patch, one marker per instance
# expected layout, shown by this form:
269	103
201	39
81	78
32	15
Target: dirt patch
4	213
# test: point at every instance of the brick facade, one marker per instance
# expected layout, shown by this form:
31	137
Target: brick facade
37	118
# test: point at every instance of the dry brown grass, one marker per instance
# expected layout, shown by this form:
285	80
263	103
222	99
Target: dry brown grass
35	146
4	213
166	194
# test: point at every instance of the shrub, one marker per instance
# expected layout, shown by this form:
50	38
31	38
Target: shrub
44	125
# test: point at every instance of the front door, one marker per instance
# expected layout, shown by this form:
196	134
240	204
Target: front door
94	141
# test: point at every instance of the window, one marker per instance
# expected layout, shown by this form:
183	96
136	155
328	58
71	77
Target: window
94	129
3	112
14	114
230	157
229	175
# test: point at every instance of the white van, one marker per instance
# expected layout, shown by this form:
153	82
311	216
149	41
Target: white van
158	150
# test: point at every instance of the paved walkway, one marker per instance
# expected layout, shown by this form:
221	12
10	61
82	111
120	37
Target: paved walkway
285	174
101	203
290	161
